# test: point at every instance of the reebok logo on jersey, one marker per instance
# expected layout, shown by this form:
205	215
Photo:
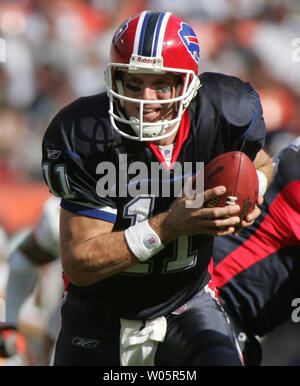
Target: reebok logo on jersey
85	342
53	154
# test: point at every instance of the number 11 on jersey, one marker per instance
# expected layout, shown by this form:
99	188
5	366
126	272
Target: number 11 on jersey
141	208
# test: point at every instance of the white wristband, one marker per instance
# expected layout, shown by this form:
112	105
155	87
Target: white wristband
262	182
143	241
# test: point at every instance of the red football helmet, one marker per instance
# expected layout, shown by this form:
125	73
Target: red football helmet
153	42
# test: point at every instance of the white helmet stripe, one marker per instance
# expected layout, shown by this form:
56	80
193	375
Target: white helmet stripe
161	33
150	33
138	32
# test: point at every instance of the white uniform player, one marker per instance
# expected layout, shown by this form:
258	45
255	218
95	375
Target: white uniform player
34	285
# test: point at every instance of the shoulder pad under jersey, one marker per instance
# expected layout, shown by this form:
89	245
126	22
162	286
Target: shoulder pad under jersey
89	117
235	100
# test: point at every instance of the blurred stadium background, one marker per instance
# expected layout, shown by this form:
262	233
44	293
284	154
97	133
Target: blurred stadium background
52	52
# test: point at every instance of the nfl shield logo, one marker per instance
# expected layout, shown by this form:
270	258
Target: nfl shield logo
150	241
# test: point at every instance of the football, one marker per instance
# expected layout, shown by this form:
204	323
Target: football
237	173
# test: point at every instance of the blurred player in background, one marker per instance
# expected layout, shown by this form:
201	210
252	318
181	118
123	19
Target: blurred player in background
136	264
258	272
37	248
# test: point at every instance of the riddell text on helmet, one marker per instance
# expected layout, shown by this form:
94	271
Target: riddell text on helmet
143	59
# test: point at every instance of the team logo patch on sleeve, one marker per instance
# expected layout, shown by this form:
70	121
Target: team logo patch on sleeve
189	39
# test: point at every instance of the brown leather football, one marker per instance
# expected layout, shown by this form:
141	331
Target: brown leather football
237	173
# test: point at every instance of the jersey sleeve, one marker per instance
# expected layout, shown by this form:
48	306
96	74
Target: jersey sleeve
239	108
252	136
70	157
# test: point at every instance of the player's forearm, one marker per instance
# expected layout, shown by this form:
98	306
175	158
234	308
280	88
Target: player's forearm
264	164
34	252
95	258
91	251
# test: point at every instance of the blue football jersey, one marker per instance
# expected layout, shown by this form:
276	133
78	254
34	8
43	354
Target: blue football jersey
95	172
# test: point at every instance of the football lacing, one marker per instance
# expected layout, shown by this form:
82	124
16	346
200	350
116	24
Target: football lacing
230	200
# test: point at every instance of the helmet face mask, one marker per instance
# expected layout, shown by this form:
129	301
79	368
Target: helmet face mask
154	42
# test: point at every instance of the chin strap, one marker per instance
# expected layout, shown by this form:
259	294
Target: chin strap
148	131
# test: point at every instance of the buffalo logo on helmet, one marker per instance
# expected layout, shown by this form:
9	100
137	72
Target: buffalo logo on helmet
189	39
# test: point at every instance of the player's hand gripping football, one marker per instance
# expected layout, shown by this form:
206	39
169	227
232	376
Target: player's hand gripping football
250	217
182	219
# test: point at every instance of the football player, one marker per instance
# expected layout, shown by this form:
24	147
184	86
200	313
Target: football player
135	249
37	248
258	272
